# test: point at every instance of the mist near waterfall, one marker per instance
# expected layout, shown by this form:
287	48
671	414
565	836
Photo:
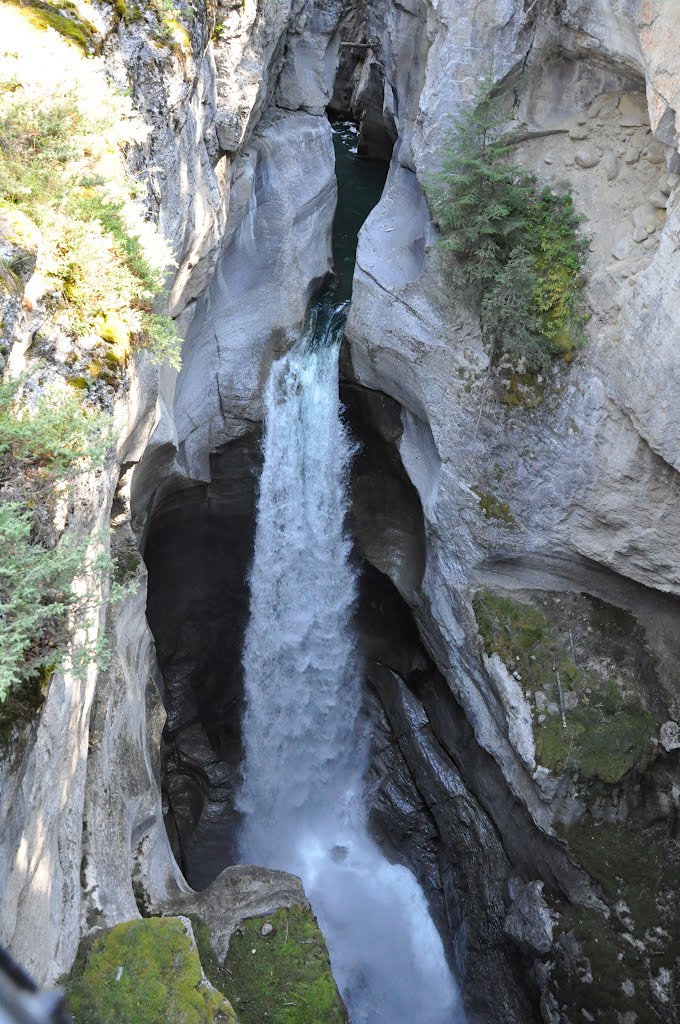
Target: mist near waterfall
305	743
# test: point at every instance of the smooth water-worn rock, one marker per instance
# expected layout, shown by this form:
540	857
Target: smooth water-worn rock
578	474
82	838
591	469
577	492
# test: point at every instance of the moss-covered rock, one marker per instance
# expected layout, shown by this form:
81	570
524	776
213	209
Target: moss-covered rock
277	970
616	965
580	672
638	865
64	18
146	972
493	507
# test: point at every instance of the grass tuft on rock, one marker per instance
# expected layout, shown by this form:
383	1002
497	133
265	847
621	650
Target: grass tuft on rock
493	507
144	972
287	980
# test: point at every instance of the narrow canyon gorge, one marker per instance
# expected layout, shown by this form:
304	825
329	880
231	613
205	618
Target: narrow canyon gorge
368	706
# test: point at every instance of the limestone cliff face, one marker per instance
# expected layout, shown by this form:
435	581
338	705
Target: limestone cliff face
83	835
578	491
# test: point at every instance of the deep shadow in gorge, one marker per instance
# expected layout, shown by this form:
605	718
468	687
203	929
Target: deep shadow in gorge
198	551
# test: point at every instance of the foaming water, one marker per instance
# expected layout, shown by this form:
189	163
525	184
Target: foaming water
305	748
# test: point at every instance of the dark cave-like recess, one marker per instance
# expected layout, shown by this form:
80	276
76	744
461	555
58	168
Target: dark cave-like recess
197	552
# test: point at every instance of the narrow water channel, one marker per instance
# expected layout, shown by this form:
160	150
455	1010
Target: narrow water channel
305	747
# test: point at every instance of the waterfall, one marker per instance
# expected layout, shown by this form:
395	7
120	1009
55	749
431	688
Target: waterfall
305	748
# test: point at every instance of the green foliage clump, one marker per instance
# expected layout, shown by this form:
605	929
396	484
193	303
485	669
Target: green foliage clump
144	971
35	594
102	279
287	980
514	247
38	446
607	733
52	437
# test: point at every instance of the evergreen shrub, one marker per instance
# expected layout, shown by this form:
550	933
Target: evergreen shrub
515	247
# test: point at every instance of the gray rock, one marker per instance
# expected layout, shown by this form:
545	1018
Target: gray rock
239	892
611	166
645	217
621	248
655	153
587	157
633	113
659	200
280	219
306	79
631	155
665	185
669	736
529	922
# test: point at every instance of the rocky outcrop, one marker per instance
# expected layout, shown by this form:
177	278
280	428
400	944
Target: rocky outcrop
238	893
469	477
279	231
83	840
560	484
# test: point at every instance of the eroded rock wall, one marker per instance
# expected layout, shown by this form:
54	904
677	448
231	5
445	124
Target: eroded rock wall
83	840
562	489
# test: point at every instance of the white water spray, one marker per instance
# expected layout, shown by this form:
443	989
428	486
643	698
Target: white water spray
304	746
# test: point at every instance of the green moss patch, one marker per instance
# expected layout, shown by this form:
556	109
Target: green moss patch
638	865
63	18
598	746
283	977
493	508
521	390
606	731
593	979
146	972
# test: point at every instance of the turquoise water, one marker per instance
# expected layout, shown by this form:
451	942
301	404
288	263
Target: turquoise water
360	185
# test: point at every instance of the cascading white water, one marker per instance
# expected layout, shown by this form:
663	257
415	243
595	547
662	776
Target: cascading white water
305	751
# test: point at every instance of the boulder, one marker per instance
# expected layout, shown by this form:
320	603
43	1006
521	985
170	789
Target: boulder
587	157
